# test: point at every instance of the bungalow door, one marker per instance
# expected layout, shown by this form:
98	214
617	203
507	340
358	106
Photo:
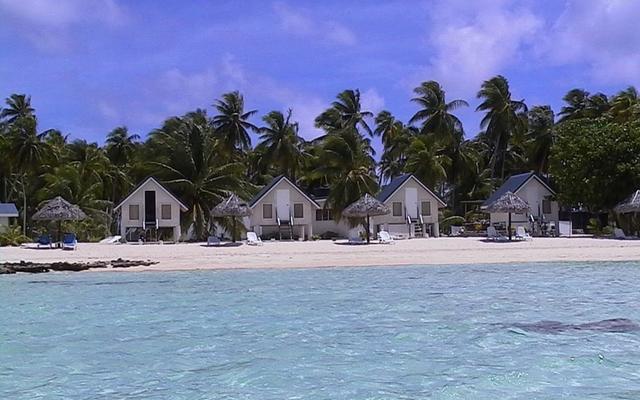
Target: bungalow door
150	206
283	200
411	202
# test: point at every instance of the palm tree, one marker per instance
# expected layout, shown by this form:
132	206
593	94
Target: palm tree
198	175
344	159
120	146
345	113
281	144
625	105
540	137
436	113
396	139
581	104
232	123
504	118
19	106
427	161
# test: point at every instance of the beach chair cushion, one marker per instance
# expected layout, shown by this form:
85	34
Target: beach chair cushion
69	241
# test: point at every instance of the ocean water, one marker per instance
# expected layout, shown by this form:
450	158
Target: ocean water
447	332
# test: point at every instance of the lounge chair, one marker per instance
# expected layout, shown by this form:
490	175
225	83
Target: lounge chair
69	242
385	238
213	241
253	239
492	234
619	234
521	234
45	240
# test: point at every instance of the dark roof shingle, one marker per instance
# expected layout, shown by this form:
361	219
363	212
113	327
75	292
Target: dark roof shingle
512	184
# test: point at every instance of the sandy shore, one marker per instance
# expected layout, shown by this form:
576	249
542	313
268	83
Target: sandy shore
328	254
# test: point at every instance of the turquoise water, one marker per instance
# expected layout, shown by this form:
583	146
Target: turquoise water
361	333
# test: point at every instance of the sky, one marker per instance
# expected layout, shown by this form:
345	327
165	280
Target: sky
93	65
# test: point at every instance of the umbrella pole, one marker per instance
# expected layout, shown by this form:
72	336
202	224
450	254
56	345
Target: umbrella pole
509	227
59	232
233	233
367	228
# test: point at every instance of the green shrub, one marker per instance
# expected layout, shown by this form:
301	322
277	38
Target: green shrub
13	237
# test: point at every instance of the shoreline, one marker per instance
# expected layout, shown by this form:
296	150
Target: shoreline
328	254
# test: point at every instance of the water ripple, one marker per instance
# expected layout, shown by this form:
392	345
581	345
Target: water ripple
459	332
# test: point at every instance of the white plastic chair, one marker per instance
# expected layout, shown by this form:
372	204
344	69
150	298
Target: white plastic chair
253	239
492	234
521	234
385	238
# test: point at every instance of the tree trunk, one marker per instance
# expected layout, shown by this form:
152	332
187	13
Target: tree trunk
233	232
368	227
24	209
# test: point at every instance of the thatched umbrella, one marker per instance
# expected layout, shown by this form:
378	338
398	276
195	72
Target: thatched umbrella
58	209
508	203
630	205
232	207
368	206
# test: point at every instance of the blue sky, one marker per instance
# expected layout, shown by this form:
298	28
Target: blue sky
92	65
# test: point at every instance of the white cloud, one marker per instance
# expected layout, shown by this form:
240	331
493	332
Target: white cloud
475	41
601	35
299	23
48	24
371	100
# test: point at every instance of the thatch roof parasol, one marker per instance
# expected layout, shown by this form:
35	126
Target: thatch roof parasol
367	206
58	209
232	207
630	205
508	203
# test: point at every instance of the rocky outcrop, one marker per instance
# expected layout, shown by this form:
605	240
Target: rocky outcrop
36	268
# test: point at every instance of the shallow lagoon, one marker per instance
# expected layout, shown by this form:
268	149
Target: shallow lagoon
448	332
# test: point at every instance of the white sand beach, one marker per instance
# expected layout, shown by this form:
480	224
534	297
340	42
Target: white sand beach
193	256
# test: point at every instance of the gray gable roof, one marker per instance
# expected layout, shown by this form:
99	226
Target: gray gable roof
395	184
8	210
265	189
163	187
513	184
387	190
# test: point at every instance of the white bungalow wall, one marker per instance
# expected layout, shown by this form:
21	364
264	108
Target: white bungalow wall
398	224
4	223
533	192
161	198
257	221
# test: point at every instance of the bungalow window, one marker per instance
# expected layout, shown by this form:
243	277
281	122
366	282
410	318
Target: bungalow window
267	211
165	211
134	212
324	215
546	206
298	210
425	208
397	209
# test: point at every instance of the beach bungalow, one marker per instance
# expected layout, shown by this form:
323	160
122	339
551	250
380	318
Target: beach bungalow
7	210
282	210
150	210
414	208
536	192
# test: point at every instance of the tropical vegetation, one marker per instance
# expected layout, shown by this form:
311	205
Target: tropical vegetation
590	152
